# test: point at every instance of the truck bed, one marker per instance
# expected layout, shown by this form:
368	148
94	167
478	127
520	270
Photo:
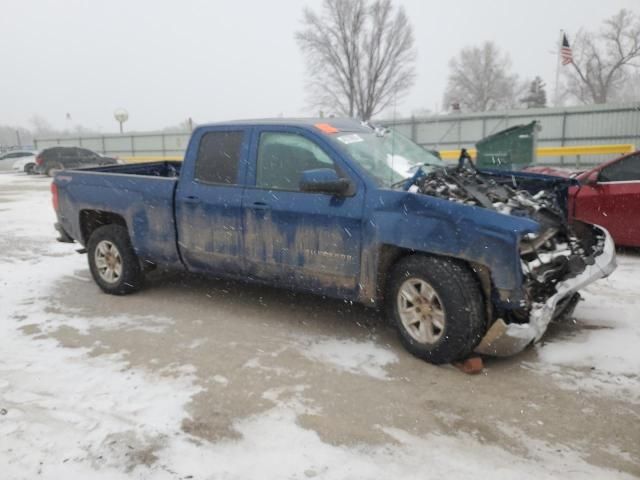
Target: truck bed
155	169
140	195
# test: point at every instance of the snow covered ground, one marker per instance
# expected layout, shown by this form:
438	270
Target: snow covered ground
604	357
83	412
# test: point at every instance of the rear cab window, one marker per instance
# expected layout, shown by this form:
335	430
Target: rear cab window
218	157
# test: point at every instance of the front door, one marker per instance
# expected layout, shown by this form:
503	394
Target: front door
300	239
209	201
614	201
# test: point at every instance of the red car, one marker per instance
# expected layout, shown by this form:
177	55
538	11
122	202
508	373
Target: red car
608	195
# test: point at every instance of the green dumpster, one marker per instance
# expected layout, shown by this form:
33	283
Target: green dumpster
510	149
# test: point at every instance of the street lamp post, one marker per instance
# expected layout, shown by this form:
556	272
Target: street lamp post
121	116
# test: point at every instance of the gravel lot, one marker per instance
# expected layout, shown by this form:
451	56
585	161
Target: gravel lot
199	378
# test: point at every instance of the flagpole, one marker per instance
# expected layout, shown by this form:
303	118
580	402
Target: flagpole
556	93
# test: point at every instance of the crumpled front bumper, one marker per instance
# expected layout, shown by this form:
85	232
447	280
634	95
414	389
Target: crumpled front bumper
504	339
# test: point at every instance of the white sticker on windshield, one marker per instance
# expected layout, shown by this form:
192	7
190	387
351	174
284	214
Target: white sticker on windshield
353	138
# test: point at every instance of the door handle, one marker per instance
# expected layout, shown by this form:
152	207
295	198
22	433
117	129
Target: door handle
261	206
191	199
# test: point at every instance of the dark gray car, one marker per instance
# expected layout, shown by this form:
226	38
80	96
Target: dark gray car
60	158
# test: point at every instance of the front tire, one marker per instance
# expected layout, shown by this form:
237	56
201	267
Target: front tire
113	263
437	307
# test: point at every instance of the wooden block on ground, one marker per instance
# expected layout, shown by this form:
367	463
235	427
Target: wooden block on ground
471	366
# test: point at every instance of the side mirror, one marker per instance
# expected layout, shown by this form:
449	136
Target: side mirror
324	180
592	178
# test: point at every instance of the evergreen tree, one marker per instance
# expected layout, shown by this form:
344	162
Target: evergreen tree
537	95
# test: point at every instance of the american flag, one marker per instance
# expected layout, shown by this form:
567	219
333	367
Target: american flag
565	51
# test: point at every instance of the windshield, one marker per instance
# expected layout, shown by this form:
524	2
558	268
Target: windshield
387	156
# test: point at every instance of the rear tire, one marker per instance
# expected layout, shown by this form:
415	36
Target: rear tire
437	307
29	168
113	263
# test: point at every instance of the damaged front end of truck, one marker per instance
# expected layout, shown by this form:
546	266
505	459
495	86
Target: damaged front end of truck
556	261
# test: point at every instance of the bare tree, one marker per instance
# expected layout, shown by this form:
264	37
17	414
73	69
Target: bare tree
41	127
480	80
14	136
603	62
360	55
630	90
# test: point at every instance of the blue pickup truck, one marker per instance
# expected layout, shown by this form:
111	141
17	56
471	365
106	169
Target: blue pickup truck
461	260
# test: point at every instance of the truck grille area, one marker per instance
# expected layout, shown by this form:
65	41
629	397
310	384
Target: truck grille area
559	251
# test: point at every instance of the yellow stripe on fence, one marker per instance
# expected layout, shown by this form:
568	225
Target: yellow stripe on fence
571	150
586	150
455	154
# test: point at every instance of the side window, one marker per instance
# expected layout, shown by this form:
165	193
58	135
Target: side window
218	157
282	157
626	170
83	152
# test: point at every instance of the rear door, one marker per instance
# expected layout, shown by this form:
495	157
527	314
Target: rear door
300	239
209	201
68	157
614	201
87	157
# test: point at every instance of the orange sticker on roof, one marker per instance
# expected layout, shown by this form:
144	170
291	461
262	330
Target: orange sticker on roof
326	128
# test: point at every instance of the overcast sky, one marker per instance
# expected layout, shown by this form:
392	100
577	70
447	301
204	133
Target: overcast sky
165	61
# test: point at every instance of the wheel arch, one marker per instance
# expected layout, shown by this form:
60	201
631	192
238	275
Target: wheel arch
390	255
90	220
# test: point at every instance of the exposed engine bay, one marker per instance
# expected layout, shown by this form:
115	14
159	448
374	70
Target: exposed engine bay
560	250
